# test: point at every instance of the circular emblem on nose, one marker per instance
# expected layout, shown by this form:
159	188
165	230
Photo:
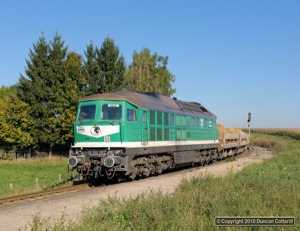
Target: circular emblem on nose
96	131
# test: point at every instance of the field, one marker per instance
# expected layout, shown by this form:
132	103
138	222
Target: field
267	189
288	132
25	176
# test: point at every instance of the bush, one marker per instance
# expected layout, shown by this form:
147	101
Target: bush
6	155
271	144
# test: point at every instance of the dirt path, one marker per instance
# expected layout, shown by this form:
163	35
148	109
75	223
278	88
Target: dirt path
17	217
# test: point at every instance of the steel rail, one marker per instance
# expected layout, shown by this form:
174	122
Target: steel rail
41	194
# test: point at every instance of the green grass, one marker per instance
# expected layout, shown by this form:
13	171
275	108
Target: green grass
267	189
22	174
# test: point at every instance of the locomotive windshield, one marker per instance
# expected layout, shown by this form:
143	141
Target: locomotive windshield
111	112
87	112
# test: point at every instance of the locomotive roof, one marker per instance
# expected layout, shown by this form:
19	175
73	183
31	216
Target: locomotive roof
154	101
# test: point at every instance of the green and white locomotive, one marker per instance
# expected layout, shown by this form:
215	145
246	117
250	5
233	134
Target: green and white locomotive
127	134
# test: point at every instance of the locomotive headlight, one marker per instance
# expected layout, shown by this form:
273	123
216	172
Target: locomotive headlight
72	161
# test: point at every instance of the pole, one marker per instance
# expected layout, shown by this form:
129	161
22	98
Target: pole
249	120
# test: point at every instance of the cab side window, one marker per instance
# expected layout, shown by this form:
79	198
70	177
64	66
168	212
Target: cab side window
131	115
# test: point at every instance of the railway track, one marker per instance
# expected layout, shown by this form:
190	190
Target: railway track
42	194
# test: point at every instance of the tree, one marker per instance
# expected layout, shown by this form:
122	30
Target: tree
53	85
8	91
104	67
93	83
35	91
149	73
57	57
112	65
67	93
15	123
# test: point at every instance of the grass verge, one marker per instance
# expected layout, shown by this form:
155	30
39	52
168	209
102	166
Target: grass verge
19	177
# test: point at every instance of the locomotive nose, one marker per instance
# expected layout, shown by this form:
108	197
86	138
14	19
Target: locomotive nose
72	161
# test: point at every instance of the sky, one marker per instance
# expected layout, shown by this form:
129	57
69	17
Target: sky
233	56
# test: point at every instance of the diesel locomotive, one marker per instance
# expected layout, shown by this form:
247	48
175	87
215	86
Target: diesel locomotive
127	134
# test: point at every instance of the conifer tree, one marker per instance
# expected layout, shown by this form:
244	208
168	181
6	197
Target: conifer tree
112	65
104	67
35	89
93	78
52	86
57	57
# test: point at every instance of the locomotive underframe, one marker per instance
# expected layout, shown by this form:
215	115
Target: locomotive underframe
130	163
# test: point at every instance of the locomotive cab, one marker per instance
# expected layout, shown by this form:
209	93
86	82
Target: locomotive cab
97	138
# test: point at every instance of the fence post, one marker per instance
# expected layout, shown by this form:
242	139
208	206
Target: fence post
37	184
